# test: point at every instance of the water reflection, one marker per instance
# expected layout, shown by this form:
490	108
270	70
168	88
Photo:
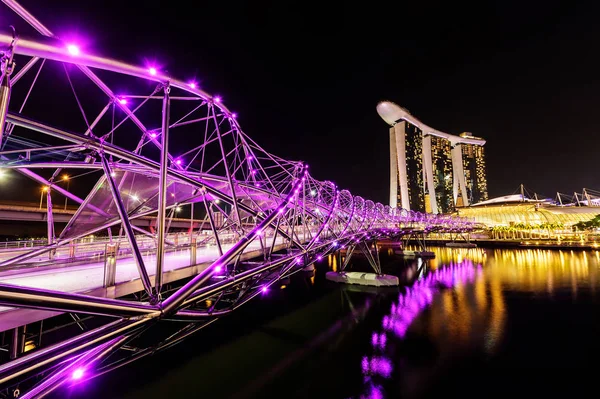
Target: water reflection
410	303
459	308
534	270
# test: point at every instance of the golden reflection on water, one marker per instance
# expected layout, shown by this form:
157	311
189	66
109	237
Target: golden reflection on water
536	270
332	262
467	311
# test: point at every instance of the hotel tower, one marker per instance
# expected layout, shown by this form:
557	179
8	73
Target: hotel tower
432	171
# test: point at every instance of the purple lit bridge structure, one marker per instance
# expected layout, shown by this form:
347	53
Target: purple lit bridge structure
150	147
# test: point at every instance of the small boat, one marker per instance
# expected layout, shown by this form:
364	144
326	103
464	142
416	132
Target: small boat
360	278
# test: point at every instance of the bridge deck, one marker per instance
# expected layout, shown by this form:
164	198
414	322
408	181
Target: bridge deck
88	278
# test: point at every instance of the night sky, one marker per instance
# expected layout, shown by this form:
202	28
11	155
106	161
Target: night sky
305	77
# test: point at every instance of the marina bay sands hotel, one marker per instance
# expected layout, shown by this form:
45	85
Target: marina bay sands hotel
432	171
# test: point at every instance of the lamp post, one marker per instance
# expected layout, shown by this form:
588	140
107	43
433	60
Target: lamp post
68	180
44	190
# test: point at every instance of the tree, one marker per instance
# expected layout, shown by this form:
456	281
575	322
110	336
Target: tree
588	225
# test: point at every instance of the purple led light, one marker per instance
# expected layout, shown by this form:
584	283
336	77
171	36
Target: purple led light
178	161
264	289
217	99
73	49
218	269
192	85
122	101
234	115
153	135
152	71
77	374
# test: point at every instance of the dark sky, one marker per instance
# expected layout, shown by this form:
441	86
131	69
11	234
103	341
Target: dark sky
305	77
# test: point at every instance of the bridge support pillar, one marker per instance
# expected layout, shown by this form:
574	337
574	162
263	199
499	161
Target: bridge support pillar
193	249
17	342
110	264
365	248
72	249
349	253
50	222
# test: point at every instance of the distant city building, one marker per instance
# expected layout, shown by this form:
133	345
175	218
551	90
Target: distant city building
432	171
441	159
519	209
474	167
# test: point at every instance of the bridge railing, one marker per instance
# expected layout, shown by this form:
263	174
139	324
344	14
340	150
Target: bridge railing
18	244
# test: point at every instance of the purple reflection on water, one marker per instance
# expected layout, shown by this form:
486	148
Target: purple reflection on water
377	365
402	314
420	295
376	392
379	340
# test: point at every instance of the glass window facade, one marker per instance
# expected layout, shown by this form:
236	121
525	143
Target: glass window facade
414	167
441	158
474	167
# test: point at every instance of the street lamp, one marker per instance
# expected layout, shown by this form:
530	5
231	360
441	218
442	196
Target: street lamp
68	180
44	190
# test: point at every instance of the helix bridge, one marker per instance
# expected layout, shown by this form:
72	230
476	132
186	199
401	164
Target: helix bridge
144	148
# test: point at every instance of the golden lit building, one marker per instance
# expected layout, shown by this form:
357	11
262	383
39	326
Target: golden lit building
512	209
441	161
474	166
432	171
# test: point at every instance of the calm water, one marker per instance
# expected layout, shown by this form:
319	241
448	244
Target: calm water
472	323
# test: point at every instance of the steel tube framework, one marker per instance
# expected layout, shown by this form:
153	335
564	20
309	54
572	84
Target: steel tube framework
255	202
162	192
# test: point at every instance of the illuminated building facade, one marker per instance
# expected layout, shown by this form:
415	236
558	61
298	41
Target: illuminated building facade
414	167
441	161
432	171
474	167
513	209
